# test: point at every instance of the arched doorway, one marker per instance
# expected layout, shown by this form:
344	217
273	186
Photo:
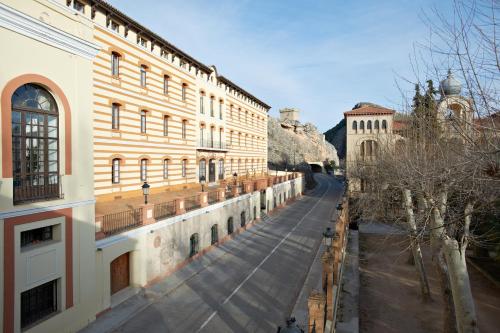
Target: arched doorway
211	171
194	246
230	226
202	172
120	273
243	220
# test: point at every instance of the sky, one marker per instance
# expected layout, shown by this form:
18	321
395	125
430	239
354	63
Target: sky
321	57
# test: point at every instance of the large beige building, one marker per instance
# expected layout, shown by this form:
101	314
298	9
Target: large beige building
163	117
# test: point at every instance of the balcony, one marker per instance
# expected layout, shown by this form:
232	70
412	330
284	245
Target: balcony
212	145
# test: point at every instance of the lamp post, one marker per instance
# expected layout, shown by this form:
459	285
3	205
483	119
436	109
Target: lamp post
202	182
145	192
235	177
328	236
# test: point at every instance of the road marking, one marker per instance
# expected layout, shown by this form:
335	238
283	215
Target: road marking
264	260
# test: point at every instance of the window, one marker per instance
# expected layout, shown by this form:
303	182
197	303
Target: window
202	103
143	121
214	234
165	84
38	303
231	111
115	171
35	236
369	125
142	41
384	125
211	142
193	245
115	116
184	166
78	6
165	125
143	75
221	103
115	64
230	226
35	144
183	129
231	138
211	106
221	169
183	91
239	114
246	117
376	124
114	26
361	125
165	168
144	170
220	137
243	219
203	169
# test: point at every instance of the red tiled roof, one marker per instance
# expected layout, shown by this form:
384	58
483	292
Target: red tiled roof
398	125
369	111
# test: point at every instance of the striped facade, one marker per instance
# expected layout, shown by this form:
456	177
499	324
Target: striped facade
156	89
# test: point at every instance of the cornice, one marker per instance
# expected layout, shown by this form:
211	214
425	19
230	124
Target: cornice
26	25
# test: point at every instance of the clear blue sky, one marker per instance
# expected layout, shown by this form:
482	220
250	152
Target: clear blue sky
319	56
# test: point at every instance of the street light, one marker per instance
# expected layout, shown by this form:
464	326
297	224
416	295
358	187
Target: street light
235	177
202	182
145	192
328	237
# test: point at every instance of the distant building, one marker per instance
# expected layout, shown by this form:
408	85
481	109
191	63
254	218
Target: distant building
291	114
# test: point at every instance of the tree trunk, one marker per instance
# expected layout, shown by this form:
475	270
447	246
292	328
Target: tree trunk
449	324
415	246
465	313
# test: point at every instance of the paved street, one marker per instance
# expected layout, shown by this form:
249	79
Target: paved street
254	285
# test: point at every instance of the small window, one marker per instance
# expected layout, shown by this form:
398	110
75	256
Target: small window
38	303
183	168
165	168
142	41
143	75
202	171
211	106
194	246
115	171
361	125
377	124
221	104
230	226
221	169
165	84
115	63
165	125
355	125
202	103
183	92
183	129
35	236
369	124
78	6
143	121
144	170
384	125
115	26
231	111
115	116
214	234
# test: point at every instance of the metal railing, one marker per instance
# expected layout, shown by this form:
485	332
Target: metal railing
164	210
118	222
213	197
192	202
208	143
26	190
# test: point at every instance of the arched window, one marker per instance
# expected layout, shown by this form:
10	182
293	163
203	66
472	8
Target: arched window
230	226
115	63
115	116
143	121
212	106
166	78
166	162
35	144
184	91
377	123
194	245
183	168
143	70
165	125
115	171
243	220
144	170
368	150
369	125
221	105
183	129
355	125
384	125
202	170
214	234
202	102
362	125
221	169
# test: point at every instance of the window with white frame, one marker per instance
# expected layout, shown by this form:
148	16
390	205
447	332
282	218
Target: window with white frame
144	170
115	171
115	116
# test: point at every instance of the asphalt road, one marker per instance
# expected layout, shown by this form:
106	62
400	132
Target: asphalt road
255	285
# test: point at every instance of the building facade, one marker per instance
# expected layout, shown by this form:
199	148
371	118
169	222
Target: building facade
46	181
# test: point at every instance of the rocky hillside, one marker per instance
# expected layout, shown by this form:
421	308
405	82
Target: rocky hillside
292	143
337	137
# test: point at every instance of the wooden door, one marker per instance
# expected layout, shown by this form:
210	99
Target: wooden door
120	273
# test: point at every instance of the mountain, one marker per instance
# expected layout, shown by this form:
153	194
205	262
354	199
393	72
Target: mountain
337	137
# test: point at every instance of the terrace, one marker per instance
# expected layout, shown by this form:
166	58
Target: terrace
120	215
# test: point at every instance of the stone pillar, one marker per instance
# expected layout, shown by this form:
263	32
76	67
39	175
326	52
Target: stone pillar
328	259
235	191
247	186
99	234
203	199
180	208
221	193
147	214
316	308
